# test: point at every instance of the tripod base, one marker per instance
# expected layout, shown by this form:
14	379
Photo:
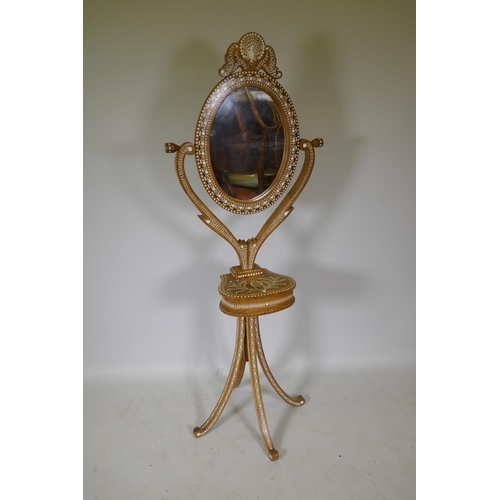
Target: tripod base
249	348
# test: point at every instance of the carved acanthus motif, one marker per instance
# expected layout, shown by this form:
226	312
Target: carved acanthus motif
251	54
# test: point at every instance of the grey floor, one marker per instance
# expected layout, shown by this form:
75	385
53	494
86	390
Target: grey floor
354	438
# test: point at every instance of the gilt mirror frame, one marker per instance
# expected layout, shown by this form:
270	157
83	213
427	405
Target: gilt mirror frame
260	72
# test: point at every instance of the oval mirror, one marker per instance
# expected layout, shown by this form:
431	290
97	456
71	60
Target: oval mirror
247	142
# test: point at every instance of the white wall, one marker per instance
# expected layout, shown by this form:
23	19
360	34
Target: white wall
151	268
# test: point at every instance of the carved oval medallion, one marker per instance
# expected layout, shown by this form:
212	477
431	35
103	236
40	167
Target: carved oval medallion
247	142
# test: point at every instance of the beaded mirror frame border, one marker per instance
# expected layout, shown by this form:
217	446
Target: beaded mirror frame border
291	142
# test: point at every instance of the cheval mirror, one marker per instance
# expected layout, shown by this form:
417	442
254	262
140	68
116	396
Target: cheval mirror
246	147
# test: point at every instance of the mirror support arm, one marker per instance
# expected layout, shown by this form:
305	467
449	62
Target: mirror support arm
286	206
207	216
246	250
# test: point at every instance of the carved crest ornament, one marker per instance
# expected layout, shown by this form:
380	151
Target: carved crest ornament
246	147
251	54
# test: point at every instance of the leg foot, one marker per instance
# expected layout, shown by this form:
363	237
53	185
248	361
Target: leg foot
230	382
299	400
257	394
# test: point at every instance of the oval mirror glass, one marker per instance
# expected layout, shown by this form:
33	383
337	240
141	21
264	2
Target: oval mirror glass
247	143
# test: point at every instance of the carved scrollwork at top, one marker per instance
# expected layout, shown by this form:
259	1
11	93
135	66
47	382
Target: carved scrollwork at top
251	54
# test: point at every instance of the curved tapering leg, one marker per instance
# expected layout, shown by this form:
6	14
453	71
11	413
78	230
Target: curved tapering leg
243	364
230	382
299	400
257	394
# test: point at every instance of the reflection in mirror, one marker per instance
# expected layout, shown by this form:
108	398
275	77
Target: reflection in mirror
246	143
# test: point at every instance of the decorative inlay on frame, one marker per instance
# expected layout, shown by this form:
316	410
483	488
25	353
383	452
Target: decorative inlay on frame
290	154
261	285
250	53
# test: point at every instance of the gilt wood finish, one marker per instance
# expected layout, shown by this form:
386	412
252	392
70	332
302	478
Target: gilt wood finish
249	291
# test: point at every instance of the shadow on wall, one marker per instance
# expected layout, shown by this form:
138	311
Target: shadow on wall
320	102
146	176
192	73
